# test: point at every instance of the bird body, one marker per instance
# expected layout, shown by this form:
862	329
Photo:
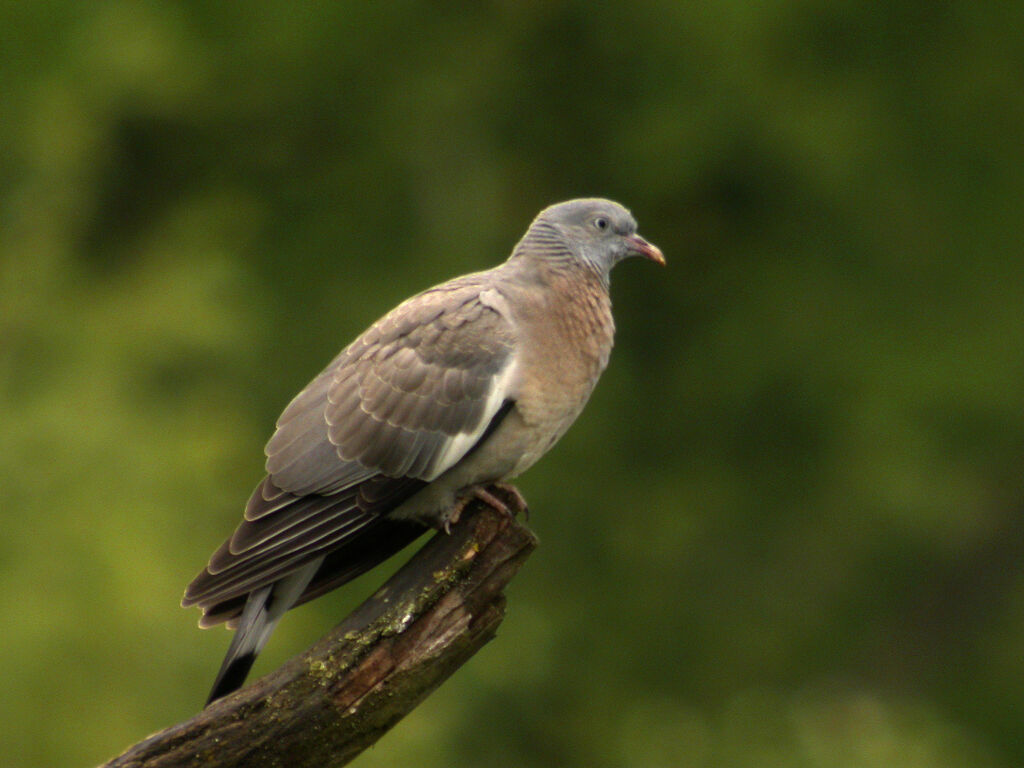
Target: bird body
465	384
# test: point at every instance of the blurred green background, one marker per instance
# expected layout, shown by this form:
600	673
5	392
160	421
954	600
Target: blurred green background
789	528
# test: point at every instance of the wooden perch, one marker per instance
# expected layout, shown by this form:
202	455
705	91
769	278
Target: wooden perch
325	706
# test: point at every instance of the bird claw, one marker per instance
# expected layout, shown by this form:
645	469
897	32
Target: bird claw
514	505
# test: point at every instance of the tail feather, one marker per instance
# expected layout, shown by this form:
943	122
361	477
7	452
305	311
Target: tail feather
263	610
265	605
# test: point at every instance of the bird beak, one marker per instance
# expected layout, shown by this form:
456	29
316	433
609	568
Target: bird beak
641	247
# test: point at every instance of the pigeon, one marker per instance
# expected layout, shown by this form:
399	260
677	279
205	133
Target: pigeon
458	389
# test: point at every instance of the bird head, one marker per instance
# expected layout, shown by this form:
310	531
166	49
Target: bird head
596	232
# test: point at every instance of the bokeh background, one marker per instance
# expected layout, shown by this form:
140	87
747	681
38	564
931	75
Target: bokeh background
789	528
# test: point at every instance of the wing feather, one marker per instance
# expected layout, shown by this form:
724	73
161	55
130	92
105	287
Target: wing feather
399	406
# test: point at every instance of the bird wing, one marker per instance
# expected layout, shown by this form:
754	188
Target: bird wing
397	408
407	398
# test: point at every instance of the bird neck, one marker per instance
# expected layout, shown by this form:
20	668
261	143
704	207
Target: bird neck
542	241
564	298
543	253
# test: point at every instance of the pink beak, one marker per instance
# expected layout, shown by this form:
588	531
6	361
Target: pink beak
648	250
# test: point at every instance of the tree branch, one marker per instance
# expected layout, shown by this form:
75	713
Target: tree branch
325	706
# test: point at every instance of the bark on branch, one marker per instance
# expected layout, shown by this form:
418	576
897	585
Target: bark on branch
328	704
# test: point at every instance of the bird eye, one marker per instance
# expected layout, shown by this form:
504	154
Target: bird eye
601	223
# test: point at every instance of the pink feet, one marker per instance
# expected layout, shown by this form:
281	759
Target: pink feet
512	504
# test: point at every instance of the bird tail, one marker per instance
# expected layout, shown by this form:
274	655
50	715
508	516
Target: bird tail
264	608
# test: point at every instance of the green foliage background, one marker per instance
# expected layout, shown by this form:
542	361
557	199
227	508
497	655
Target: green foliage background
788	529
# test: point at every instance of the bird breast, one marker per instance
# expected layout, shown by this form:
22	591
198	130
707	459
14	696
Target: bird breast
570	331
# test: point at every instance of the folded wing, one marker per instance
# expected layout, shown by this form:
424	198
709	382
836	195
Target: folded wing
397	408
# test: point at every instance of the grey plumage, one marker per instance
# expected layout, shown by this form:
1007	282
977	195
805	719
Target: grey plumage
467	383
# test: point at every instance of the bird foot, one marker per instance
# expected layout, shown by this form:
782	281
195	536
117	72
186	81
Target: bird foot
513	504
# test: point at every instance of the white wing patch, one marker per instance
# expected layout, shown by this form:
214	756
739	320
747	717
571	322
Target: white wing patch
503	387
